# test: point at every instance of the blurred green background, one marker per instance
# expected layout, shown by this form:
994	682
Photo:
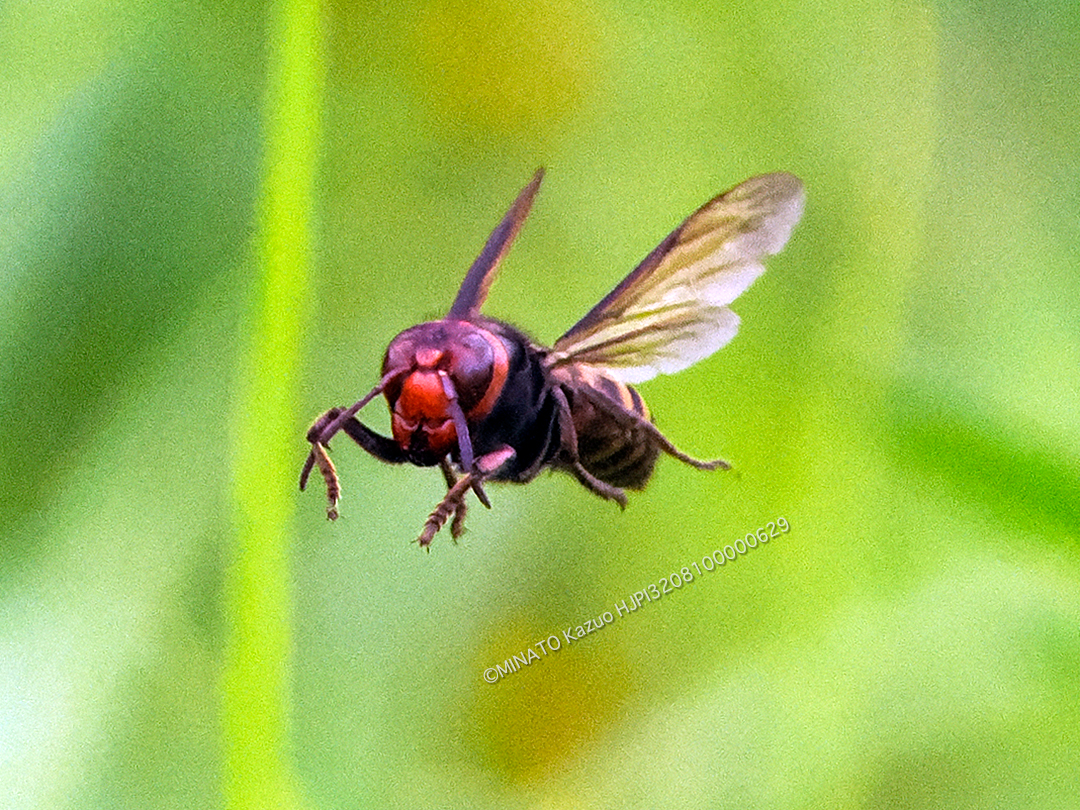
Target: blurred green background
904	391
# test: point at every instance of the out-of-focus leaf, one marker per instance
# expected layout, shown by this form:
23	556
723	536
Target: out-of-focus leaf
133	198
1024	483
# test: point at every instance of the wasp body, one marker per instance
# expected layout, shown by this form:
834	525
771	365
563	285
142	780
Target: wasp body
477	397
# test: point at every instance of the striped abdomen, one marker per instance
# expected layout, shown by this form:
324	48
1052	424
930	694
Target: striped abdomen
613	442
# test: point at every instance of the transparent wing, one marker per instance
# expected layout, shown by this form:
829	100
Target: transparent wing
672	310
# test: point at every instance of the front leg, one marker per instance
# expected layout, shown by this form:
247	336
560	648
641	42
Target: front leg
381	447
453	503
321	459
457	528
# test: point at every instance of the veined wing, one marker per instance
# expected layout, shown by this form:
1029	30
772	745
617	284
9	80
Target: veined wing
672	310
474	288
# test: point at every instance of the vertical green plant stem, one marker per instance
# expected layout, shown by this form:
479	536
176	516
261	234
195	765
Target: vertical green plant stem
257	678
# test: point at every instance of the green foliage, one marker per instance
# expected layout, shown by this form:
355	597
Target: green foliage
256	685
179	627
